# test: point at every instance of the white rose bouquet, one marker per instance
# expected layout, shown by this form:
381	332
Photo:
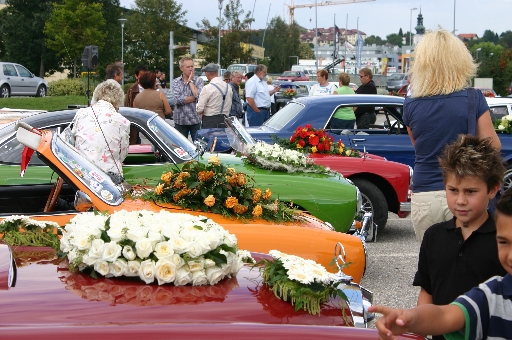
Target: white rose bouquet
166	247
305	283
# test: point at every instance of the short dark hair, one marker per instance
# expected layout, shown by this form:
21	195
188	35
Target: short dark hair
113	70
139	68
249	75
367	72
471	156
147	80
504	205
323	73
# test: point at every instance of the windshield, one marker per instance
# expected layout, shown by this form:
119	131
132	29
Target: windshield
283	116
180	146
396	76
90	175
240	68
289	74
237	135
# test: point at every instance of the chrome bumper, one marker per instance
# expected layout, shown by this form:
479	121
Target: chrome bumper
368	229
405	206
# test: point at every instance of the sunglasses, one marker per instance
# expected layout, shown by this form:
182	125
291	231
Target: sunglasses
361	76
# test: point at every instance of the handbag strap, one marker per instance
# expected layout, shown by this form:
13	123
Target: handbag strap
472	111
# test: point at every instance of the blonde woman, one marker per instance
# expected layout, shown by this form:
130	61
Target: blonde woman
435	114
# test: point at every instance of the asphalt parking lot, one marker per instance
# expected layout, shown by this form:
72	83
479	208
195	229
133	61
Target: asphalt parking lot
392	262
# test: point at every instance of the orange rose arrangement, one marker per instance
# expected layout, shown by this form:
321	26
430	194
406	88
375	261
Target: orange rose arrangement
289	93
214	187
309	140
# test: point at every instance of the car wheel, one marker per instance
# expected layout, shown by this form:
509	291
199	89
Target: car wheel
507	179
5	92
374	202
41	91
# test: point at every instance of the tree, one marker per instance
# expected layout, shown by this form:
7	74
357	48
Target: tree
400	33
490	36
495	62
235	39
147	33
305	51
283	42
506	39
374	40
394	39
22	39
73	25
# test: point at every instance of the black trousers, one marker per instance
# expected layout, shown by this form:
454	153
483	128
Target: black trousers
210	122
364	121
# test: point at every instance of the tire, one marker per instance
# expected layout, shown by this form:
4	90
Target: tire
507	179
5	91
41	91
373	201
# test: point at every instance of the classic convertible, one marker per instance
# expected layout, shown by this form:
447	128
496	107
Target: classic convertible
309	238
327	197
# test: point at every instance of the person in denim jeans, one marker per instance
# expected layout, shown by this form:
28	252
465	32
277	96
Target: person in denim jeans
258	97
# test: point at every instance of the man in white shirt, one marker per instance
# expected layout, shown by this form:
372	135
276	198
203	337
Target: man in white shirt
258	97
215	99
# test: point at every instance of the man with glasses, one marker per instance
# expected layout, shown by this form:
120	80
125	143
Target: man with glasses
236	105
258	97
365	115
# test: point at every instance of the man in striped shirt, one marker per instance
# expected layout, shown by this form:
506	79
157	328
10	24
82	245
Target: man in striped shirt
485	312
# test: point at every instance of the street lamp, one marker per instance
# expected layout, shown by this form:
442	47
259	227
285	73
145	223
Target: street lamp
122	21
220	20
294	56
478	50
410	26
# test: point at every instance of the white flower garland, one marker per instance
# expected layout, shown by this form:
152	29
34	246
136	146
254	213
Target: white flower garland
169	247
275	157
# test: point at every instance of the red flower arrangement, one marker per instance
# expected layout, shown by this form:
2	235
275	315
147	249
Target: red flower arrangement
309	140
289	93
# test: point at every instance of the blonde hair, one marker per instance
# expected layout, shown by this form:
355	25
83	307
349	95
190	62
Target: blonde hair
442	65
109	91
269	80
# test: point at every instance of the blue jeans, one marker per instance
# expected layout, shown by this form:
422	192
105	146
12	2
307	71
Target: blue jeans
342	124
257	118
185	129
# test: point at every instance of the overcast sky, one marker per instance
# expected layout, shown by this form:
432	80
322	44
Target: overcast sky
379	17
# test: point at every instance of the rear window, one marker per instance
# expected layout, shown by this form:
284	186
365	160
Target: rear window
397	76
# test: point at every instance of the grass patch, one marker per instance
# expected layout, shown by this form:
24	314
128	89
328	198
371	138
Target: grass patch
52	103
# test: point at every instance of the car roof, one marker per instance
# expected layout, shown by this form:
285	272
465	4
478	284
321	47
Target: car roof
498	101
352	99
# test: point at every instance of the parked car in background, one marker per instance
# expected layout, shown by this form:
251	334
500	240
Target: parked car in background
16	80
396	81
488	92
243	68
293	76
499	107
282	98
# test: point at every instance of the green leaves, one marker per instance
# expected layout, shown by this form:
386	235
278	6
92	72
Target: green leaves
216	257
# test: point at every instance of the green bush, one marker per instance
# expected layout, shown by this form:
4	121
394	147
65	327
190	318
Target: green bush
72	87
126	86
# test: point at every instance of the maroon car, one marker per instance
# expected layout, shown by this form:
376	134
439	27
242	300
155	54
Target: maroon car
293	76
42	299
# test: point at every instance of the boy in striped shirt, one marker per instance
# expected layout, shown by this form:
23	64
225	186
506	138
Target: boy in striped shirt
485	312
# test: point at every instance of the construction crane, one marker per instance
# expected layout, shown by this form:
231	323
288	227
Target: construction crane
326	3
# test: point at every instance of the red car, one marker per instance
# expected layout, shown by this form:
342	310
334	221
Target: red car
42	299
293	76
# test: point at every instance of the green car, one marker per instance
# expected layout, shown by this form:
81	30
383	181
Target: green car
329	197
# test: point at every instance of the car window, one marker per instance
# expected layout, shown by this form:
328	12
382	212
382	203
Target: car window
497	112
9	70
23	71
287	113
10	152
396	76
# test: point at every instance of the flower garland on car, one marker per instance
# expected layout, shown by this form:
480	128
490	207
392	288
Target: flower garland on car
309	140
305	283
166	247
275	157
504	124
222	190
289	93
19	230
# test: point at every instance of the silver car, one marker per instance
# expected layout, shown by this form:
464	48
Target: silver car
396	81
16	80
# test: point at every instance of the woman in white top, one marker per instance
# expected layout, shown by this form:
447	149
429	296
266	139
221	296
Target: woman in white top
101	134
272	97
323	87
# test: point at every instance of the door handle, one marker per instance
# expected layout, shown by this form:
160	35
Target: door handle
359	139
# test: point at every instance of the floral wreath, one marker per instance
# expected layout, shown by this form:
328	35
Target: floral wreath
309	140
221	190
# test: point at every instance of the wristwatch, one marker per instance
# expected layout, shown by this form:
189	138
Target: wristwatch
188	82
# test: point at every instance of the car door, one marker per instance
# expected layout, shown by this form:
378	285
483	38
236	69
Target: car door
13	79
28	83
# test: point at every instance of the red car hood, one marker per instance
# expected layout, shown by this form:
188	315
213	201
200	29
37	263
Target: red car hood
48	302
